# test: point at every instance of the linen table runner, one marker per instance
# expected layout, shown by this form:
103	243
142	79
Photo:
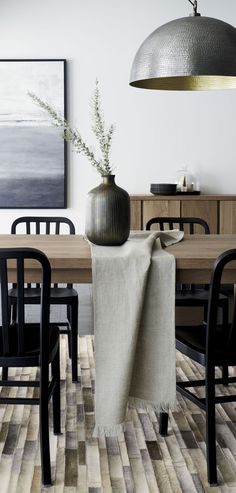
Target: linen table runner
134	324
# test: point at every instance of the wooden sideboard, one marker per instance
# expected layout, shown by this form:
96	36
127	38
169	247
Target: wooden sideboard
219	211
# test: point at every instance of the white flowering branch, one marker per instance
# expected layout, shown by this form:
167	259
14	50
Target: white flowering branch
73	136
99	129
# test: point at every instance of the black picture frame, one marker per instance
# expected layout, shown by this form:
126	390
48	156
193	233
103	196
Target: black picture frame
33	154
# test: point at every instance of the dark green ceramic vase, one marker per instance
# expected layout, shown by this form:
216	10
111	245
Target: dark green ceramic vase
108	213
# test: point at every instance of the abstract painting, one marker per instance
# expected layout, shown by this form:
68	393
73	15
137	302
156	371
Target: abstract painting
32	151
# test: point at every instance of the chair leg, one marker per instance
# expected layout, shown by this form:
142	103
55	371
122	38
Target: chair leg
225	375
4	373
13	312
225	320
56	400
69	329
44	427
13	317
74	341
163	424
211	427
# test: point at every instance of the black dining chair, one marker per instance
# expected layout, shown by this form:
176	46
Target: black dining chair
191	295
59	295
212	345
31	345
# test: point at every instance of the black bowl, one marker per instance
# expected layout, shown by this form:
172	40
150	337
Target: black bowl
163	188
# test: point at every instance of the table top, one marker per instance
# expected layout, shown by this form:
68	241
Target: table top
70	256
195	256
62	250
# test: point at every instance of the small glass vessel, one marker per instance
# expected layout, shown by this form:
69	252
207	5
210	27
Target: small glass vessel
186	181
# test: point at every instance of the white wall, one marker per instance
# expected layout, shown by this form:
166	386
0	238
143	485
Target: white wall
156	132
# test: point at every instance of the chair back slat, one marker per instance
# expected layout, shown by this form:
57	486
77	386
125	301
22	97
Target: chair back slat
20	305
191	222
191	228
17	329
5	306
49	222
57	231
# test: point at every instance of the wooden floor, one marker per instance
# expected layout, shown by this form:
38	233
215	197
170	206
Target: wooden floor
137	461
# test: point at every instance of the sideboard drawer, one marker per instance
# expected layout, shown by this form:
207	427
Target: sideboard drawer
135	214
152	208
205	209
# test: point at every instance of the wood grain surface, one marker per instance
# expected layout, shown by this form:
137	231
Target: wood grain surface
70	256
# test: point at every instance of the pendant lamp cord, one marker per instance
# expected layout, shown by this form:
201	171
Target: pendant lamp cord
194	4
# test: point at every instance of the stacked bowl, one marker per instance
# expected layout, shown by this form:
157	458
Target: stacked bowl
163	188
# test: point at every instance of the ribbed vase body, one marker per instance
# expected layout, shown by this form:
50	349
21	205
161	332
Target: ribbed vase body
108	213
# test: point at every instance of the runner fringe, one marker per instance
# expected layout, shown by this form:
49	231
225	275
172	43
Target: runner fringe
108	430
135	402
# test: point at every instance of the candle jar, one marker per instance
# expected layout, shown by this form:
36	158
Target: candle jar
186	181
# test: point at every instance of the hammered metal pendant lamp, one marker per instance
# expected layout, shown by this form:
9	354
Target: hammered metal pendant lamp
189	54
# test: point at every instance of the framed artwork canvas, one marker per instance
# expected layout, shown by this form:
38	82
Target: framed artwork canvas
32	150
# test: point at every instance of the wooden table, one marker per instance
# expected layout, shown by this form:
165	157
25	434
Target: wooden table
70	256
